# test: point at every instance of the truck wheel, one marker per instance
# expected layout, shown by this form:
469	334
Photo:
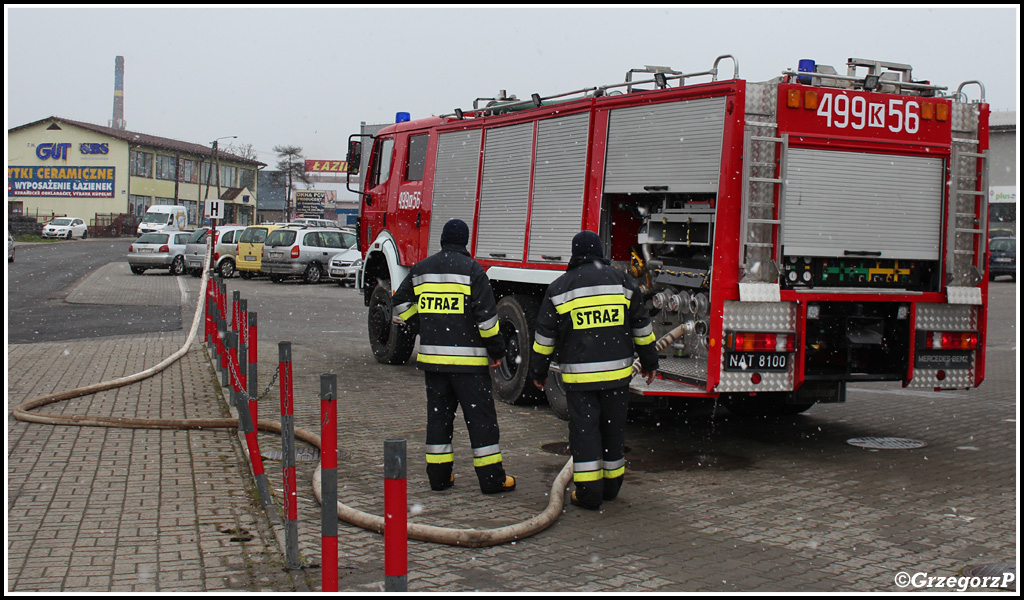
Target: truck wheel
391	343
554	389
766	405
517	317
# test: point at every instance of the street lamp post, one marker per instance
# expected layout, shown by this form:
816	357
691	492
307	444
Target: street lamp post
213	229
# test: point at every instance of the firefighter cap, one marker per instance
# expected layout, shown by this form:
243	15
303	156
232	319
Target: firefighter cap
587	243
455	232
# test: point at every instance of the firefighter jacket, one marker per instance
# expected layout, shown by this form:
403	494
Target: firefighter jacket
594	316
451	296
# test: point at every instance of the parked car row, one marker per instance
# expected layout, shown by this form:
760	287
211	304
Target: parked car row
279	250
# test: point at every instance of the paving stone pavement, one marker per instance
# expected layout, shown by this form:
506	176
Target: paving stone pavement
95	509
711	504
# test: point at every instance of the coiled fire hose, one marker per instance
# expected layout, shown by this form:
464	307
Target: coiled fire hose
442	535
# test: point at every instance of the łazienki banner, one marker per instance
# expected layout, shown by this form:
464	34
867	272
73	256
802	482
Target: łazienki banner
326	166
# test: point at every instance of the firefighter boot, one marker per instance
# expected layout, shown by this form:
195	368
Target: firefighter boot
507	485
440	477
612	485
575	502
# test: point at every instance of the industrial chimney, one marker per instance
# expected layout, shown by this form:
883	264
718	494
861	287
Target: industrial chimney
117	122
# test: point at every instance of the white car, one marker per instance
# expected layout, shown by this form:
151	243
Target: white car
309	222
66	228
343	267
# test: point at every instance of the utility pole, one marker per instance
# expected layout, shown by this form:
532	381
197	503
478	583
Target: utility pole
288	200
213	228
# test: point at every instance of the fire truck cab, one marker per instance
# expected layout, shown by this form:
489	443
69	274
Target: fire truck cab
789	236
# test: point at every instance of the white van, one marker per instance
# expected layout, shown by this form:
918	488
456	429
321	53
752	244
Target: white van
163	217
310	222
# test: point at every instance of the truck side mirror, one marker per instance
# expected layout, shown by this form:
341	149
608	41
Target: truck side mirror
355	155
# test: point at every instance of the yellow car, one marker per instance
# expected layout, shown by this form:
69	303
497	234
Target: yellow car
249	255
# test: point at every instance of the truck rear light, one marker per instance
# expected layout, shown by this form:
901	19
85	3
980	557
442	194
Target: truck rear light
927	111
295	252
164	249
811	99
951	340
942	112
761	342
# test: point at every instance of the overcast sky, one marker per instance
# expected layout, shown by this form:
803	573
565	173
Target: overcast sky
307	76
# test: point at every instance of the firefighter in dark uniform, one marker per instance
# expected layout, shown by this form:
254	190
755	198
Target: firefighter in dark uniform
591	320
459	339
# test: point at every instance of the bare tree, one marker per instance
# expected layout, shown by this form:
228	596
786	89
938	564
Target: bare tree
292	165
242	151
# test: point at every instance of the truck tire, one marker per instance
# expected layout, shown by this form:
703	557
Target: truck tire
517	317
391	343
554	389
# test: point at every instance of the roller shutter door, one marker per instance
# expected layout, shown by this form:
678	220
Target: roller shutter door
838	203
505	192
455	182
675	145
558	187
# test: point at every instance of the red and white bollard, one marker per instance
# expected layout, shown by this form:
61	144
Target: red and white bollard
291	524
329	481
396	535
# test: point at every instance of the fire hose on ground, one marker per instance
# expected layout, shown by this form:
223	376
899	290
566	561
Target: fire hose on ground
416	531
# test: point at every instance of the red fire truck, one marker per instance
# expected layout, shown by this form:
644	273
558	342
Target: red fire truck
789	236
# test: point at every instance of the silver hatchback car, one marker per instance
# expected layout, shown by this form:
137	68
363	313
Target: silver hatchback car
301	252
224	252
158	250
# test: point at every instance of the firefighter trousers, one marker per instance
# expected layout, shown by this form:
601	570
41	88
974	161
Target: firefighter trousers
597	439
445	393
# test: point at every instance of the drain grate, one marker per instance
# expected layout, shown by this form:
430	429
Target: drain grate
886	443
1003	573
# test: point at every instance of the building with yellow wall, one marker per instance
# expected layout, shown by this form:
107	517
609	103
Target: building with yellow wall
58	166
